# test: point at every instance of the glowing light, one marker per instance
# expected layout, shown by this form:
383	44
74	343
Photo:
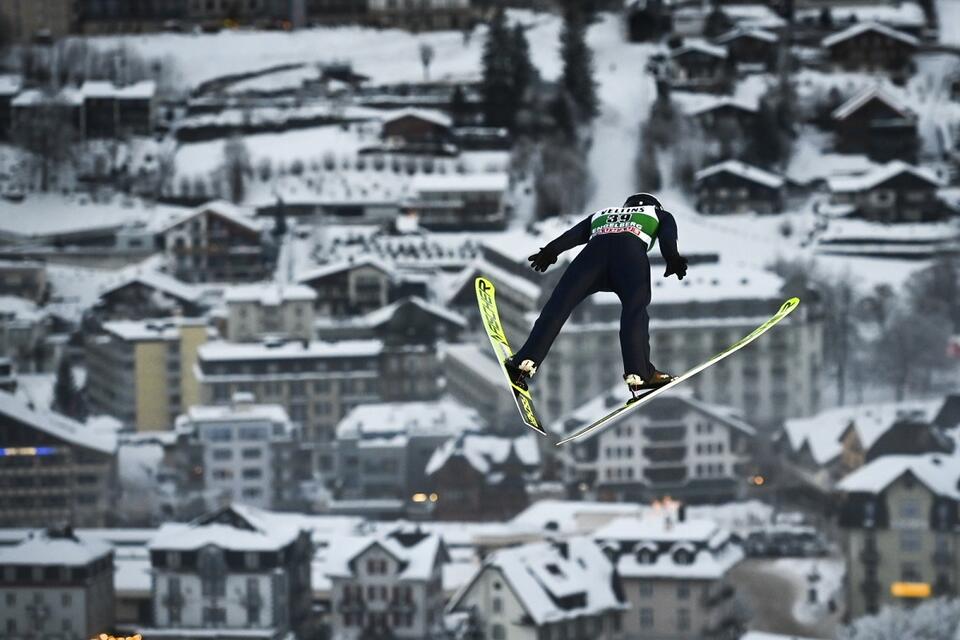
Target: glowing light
758	480
419	497
910	590
434	497
27	451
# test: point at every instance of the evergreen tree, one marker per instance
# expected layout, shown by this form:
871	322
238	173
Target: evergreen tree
498	103
648	171
459	110
717	23
66	396
577	78
522	71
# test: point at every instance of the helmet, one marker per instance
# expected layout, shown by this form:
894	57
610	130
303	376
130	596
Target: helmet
642	199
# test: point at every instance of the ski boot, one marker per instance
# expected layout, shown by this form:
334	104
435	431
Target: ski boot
636	384
520	372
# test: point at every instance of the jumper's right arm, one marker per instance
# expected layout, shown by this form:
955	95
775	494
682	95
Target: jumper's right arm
574	236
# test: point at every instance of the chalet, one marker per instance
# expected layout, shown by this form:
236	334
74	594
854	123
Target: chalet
216	242
482	477
751	49
67	103
555	589
411	126
698	65
876	124
733	186
647	20
460	201
722	113
24	279
350	287
148	294
871	47
894	192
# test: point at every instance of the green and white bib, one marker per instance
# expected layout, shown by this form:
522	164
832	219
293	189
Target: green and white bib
640	221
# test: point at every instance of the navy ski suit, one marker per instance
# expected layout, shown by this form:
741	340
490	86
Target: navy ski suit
614	262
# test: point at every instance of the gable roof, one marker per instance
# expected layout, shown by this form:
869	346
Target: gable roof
742	170
41	548
345	265
221	208
416	551
852	105
699	46
712	103
484	451
235	527
385	314
436	117
56	425
938	472
740	32
552	585
159	281
879	175
864	27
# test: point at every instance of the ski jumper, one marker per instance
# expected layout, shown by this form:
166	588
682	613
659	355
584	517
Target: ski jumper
615	259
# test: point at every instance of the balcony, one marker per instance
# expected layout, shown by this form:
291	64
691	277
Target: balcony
351	606
401	606
665	453
666	474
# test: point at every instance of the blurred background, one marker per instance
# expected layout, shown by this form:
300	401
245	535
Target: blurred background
246	392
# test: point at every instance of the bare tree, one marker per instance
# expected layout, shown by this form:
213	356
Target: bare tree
236	167
45	129
910	348
426	57
563	181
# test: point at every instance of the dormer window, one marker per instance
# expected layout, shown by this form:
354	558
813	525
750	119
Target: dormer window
646	556
683	556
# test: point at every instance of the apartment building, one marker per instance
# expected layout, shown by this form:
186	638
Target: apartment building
53	469
542	590
383	449
29	20
256	311
675	445
56	584
389	586
317	383
425	15
898	517
674	573
235	572
142	371
23	279
250	452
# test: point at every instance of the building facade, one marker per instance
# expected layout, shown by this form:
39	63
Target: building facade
871	47
389	586
891	193
55	584
898	517
28	20
142	372
468	201
53	469
233	571
23	279
736	187
259	310
675	445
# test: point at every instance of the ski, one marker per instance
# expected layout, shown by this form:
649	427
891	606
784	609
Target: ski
501	348
633	403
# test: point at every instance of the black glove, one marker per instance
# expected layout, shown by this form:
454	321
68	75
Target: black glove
677	265
542	259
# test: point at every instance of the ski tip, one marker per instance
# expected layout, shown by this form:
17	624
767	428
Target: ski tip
790	305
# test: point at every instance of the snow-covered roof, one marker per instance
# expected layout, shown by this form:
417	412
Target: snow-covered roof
655	527
56	425
699	46
15	308
741	32
269	293
10	85
938	472
386	313
597	406
864	27
919	234
542	578
238	412
754	16
742	170
153	329
437	417
143	90
344	265
221	208
473	358
879	93
289	350
261	532
472	182
763	635
711	283
876	177
704	103
430	115
43	549
821	432
571	516
156	280
485	451
417	551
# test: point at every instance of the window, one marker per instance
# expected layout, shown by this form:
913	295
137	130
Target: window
683	591
646	618
252	474
251	454
497	605
683	619
646	589
910	510
222	454
911	541
497	632
65	599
